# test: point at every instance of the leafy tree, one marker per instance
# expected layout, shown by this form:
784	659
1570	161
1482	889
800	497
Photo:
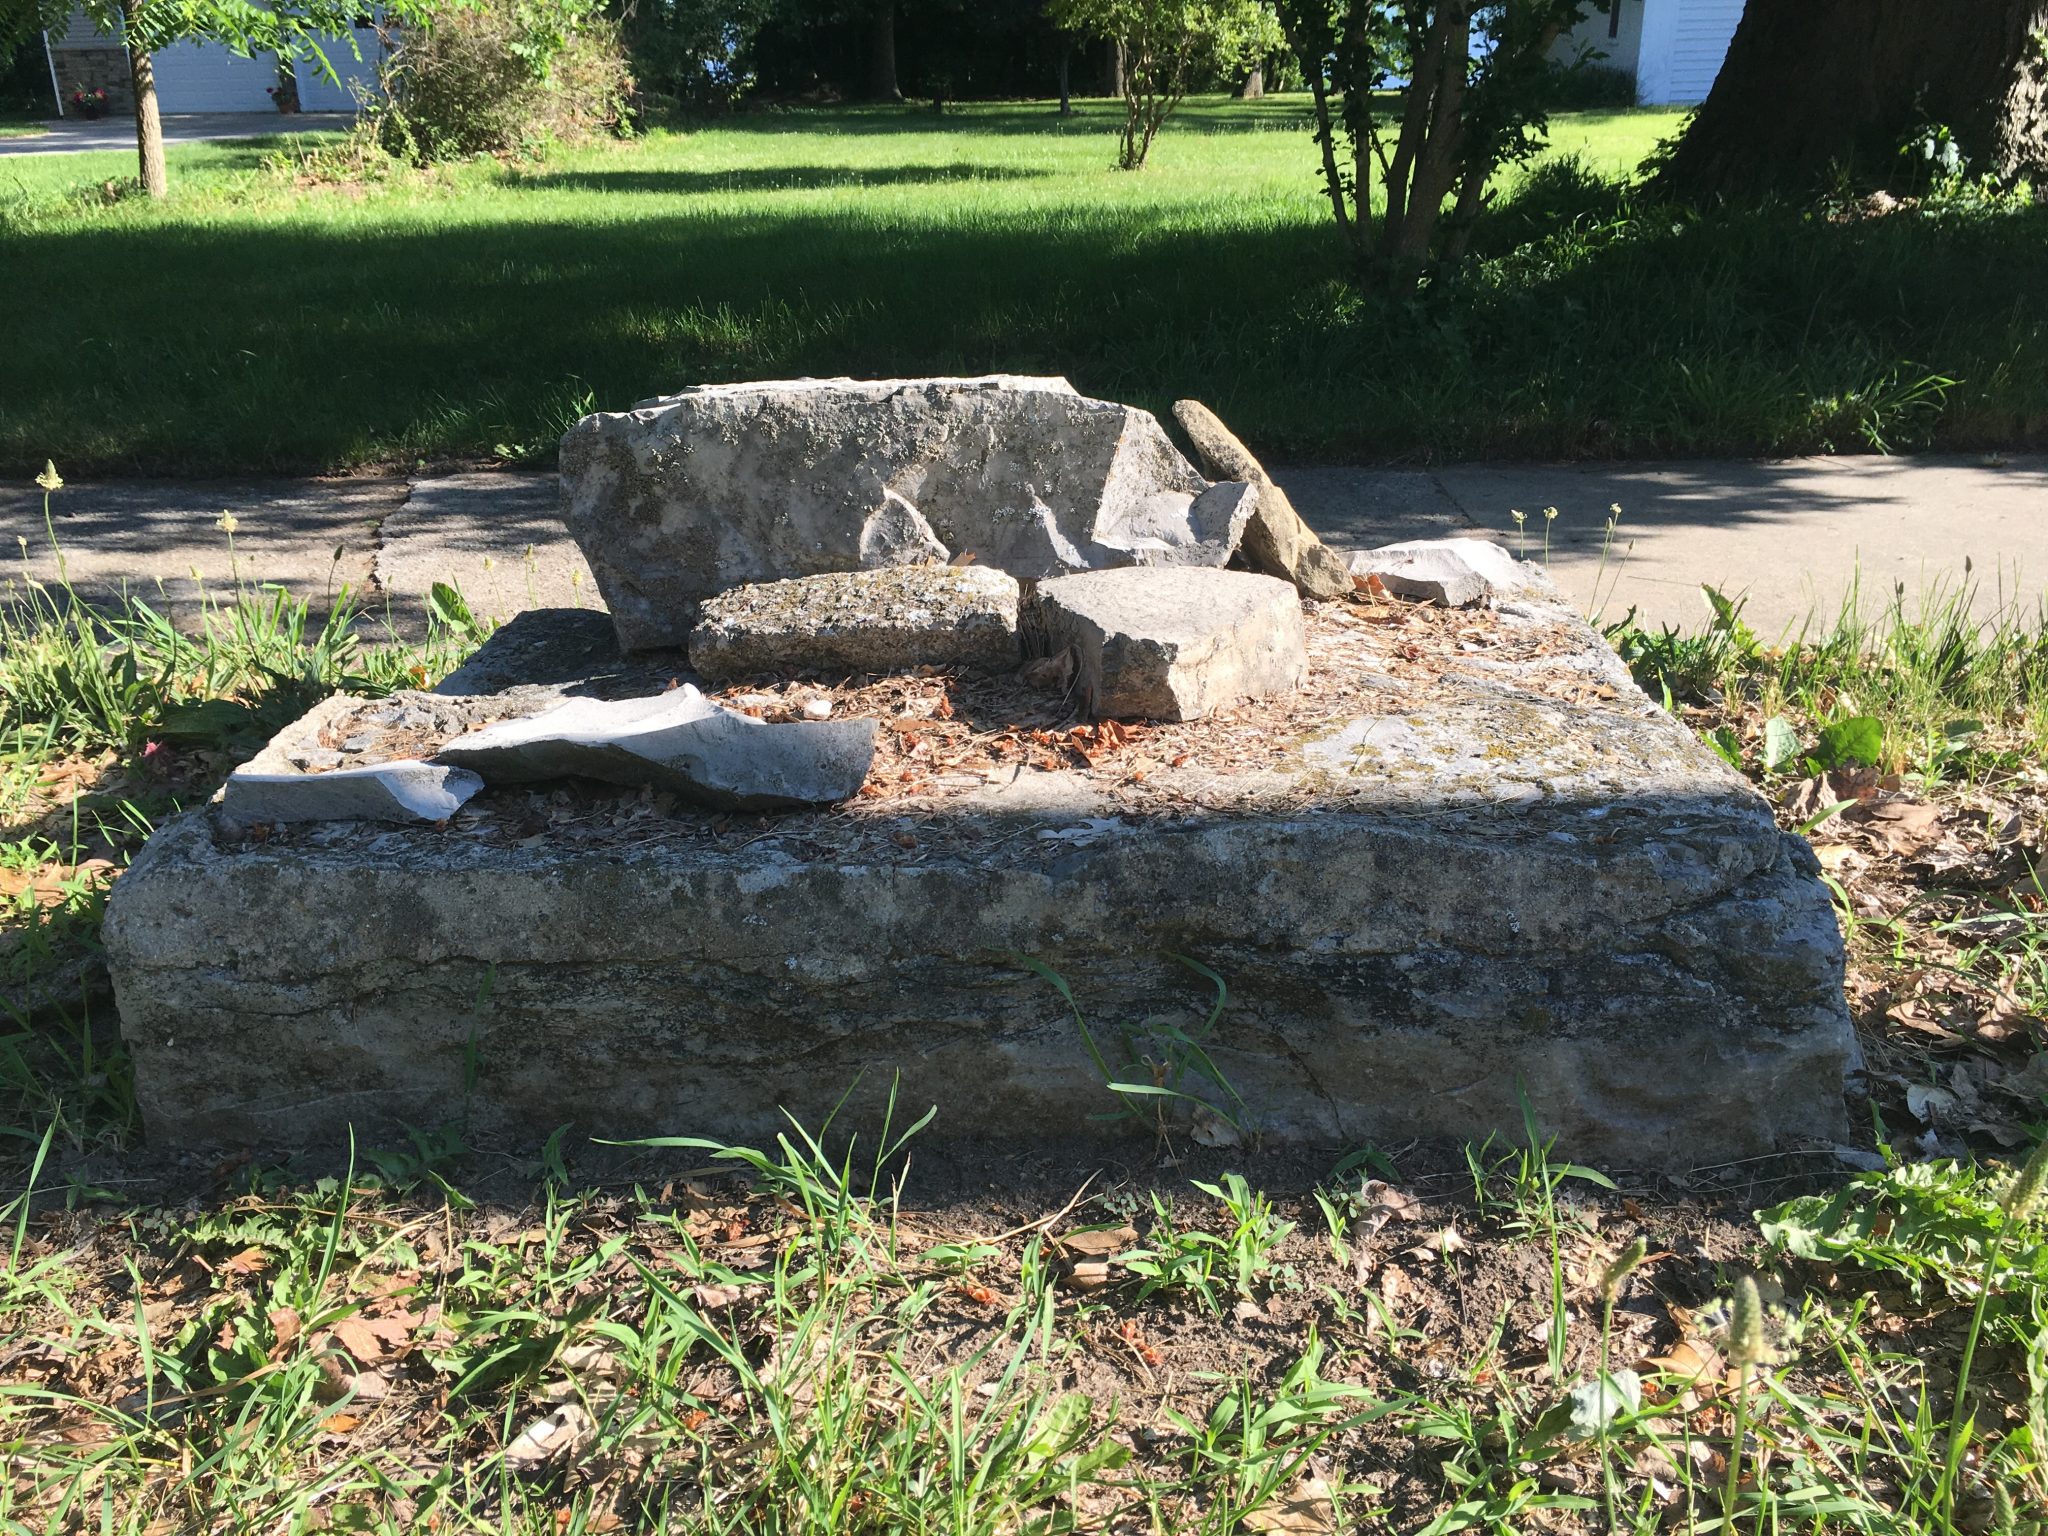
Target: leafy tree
1164	44
700	52
1476	83
293	30
1813	86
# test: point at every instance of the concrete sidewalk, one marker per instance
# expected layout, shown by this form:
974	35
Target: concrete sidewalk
1797	537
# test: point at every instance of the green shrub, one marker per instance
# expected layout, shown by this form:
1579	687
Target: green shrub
505	77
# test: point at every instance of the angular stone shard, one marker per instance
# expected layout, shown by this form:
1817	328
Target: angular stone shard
323	767
1276	541
892	620
686	496
1174	644
1452	573
403	790
679	741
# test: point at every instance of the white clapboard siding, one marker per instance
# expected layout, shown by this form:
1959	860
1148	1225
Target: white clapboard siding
205	77
1684	42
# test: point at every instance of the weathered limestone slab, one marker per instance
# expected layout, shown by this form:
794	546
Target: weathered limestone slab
890	620
1470	861
322	768
1276	541
1173	644
679	741
1452	573
689	495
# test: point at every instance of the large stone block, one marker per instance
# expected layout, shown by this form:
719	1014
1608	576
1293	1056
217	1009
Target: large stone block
1173	645
1460	869
692	494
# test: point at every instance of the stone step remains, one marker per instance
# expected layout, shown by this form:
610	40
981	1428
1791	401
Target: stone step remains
1447	857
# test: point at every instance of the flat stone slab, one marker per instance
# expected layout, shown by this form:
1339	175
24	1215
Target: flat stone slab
678	741
689	495
1470	863
1173	644
350	759
895	619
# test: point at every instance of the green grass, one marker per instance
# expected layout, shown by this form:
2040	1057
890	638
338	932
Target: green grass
256	324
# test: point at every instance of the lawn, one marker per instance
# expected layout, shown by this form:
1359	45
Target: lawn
270	319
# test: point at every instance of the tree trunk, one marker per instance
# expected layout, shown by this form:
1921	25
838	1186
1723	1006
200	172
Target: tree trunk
1811	85
149	123
882	84
1113	69
1066	73
1254	84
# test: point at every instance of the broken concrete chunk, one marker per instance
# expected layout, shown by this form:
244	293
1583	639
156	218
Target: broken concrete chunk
861	621
1276	541
687	496
1174	644
405	790
679	741
1452	573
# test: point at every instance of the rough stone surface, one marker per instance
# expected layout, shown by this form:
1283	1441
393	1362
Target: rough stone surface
679	741
1173	644
1495	870
1276	541
318	770
686	496
1452	573
890	620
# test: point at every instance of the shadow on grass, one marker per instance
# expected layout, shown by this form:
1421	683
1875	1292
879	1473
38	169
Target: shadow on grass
1096	115
326	345
781	178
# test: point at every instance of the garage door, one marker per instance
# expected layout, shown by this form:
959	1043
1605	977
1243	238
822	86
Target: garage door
205	77
319	94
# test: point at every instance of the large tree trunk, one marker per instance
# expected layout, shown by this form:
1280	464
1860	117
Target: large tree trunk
149	123
1113	69
1809	85
1254	84
882	84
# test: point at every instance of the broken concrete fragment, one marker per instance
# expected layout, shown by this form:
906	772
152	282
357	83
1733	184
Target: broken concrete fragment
1173	644
679	741
1452	573
300	776
405	790
1276	541
686	496
892	620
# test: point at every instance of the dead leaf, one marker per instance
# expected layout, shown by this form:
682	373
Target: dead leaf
250	1261
285	1324
1212	1130
1098	1242
1440	1245
1310	1510
373	1340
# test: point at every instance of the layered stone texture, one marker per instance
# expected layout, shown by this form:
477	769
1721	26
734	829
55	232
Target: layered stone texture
1276	541
1471	864
690	495
892	620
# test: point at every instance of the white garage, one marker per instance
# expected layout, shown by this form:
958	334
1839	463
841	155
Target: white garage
205	77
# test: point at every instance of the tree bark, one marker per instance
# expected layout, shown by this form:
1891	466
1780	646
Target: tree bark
1113	69
1254	84
1812	85
1066	73
882	84
149	123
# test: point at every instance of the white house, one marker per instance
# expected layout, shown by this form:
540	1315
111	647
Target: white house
1672	48
205	77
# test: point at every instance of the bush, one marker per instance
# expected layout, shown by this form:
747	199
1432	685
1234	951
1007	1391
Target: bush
1591	87
505	77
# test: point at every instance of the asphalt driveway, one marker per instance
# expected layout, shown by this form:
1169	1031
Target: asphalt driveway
77	136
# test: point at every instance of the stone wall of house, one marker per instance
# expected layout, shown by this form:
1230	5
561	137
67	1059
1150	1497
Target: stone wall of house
92	68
